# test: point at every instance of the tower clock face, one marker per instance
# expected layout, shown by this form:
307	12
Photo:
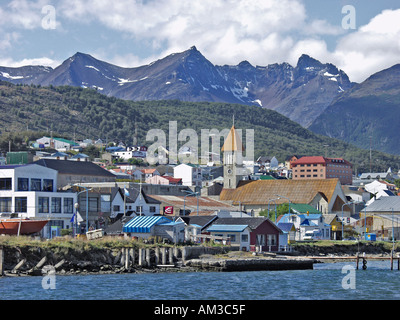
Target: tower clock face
229	171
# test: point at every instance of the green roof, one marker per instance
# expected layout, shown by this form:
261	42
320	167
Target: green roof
267	177
72	143
303	208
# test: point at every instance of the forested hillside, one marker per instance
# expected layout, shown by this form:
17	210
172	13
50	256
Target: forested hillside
84	113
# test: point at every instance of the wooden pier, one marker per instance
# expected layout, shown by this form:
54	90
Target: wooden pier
363	258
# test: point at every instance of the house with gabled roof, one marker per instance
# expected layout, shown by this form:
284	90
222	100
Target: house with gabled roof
325	195
196	226
308	222
251	234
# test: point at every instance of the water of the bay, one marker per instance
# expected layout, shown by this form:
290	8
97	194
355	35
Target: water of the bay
326	281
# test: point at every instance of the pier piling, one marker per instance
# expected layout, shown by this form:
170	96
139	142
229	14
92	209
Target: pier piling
18	266
141	257
126	253
171	255
164	256
132	255
1	260
148	258
157	254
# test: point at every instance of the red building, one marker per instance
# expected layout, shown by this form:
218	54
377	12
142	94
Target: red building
314	168
263	233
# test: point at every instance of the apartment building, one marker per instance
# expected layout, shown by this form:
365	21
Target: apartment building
312	168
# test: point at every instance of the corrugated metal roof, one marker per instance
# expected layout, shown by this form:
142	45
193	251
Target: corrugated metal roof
298	191
143	224
227	228
385	204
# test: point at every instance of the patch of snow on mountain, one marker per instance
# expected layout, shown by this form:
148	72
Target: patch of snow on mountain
258	101
240	93
91	67
7	75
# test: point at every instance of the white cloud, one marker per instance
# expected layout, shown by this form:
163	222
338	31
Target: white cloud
373	47
225	31
43	61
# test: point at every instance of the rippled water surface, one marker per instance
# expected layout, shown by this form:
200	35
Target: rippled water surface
324	282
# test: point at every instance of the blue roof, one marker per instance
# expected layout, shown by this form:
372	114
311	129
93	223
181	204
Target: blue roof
143	224
171	223
311	216
227	227
308	222
284	226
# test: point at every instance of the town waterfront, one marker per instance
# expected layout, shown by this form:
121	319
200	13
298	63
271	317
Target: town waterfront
377	282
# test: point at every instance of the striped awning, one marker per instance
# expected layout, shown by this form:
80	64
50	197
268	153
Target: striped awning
143	224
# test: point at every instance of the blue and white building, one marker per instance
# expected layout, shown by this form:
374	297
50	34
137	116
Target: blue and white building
145	227
30	191
306	223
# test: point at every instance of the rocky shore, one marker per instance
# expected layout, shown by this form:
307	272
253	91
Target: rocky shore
30	260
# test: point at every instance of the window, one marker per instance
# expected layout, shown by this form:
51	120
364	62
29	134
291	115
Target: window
23	184
56	205
245	238
43	205
21	204
36	184
93	204
260	240
5	204
105	203
116	208
232	237
139	209
5	183
152	209
271	239
68	205
48	185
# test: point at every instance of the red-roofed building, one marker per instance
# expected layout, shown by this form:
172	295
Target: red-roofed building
164	180
312	168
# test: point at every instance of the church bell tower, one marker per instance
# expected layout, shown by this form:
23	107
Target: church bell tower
233	159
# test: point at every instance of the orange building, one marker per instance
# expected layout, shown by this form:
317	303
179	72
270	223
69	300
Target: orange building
312	168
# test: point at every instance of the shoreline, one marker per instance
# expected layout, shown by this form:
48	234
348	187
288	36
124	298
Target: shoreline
105	257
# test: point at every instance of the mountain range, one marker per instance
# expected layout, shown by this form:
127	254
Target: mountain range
309	93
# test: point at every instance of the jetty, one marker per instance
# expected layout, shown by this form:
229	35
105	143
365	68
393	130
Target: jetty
360	258
31	261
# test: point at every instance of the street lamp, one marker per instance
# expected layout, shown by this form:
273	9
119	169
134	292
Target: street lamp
392	229
345	204
76	205
275	208
87	204
285	198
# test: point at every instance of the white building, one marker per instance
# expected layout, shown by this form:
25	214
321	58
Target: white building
59	144
136	203
189	173
31	192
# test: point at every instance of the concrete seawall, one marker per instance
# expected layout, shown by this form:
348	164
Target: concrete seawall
250	264
33	260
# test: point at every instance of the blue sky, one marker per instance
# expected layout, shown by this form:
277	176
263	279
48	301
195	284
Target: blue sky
131	33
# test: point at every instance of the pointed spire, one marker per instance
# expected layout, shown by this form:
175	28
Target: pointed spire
232	142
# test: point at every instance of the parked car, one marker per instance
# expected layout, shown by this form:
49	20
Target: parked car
312	235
